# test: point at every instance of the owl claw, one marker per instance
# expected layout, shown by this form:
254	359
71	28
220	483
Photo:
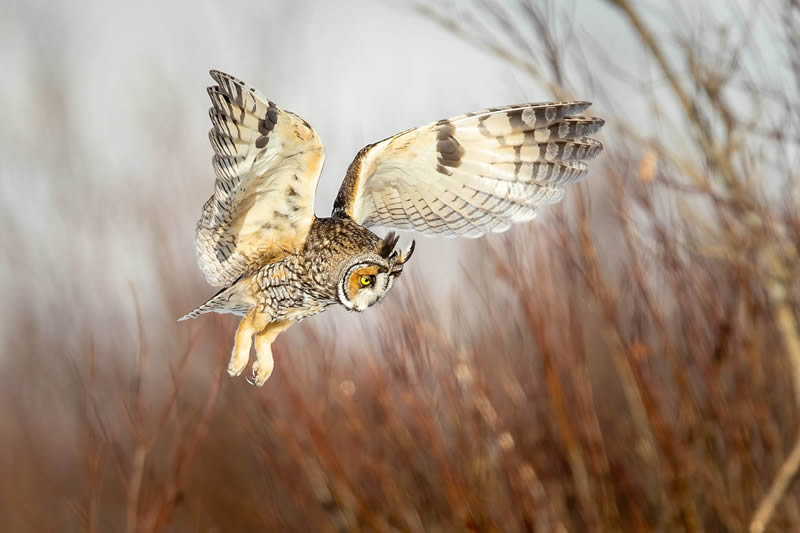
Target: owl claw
262	370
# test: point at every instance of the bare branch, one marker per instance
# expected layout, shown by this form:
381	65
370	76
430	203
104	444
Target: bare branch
772	498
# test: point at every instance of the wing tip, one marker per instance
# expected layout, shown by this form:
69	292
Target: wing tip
577	106
219	76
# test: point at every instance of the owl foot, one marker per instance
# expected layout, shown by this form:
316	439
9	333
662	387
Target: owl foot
261	372
264	363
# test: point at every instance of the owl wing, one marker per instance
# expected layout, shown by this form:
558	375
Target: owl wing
471	174
267	162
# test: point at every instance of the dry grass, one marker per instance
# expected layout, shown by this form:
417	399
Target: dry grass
654	395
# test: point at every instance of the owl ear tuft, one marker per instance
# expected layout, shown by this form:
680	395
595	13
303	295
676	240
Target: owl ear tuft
406	254
387	245
399	258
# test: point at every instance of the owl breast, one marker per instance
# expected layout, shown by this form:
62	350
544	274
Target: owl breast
284	290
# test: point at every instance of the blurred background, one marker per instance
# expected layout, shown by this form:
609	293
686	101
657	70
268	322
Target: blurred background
630	361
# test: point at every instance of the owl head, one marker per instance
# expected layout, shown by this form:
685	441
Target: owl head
367	277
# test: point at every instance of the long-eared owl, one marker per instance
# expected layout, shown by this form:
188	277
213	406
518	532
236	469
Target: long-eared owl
277	263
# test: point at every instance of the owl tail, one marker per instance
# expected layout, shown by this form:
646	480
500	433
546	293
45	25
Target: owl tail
219	303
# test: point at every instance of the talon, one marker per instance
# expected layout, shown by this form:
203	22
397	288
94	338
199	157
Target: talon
260	374
253	378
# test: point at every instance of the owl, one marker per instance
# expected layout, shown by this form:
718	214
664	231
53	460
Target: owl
277	263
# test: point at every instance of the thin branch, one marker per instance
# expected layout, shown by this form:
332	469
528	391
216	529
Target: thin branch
785	476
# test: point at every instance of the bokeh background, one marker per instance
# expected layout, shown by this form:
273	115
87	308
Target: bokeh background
630	361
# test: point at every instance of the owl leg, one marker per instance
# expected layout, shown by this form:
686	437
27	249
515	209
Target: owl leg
263	365
251	323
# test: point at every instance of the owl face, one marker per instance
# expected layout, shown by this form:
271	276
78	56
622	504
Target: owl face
366	278
365	283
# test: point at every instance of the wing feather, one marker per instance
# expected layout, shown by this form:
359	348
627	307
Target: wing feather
267	163
471	174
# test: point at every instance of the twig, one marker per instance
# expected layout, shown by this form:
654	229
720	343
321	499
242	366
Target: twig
161	511
788	325
144	443
141	449
773	497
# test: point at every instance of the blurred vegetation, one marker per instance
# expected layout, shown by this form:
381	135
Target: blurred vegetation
631	364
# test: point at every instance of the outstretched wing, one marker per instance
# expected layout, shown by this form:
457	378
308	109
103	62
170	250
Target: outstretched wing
471	174
267	163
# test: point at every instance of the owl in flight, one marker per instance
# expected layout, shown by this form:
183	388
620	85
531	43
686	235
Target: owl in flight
277	263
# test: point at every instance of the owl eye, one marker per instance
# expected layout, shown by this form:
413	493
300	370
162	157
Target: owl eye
366	281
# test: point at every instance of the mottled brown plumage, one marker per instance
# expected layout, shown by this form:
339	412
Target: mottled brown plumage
464	176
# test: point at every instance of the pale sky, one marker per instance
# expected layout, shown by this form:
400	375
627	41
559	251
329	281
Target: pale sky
104	157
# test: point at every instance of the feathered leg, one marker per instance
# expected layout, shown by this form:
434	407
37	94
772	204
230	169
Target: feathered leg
263	365
250	324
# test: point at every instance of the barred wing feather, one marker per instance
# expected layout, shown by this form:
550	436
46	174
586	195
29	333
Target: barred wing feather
471	174
267	162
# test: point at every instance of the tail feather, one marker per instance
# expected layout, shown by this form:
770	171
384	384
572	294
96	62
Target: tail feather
222	302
